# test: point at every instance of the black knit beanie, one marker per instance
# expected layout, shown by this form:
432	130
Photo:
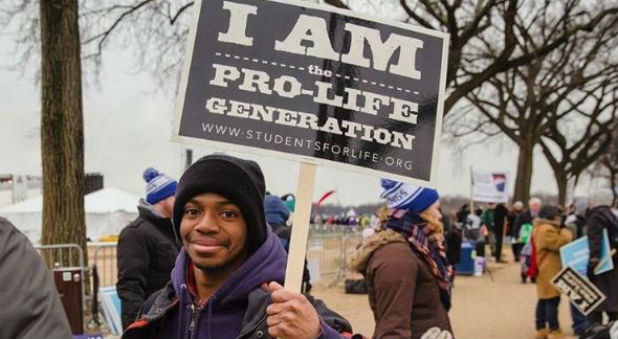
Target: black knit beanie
239	180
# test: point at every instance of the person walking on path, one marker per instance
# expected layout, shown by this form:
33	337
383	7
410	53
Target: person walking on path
547	238
516	211
405	266
227	281
576	222
521	231
600	218
499	220
147	247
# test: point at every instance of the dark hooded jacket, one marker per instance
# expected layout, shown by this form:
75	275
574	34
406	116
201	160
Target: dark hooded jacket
600	218
31	307
277	215
236	310
146	253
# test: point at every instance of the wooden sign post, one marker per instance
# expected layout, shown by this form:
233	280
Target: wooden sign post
300	227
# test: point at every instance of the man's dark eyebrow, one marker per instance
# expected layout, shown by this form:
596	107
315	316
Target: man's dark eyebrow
225	202
220	202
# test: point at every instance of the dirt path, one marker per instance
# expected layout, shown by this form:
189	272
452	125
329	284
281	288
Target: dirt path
482	308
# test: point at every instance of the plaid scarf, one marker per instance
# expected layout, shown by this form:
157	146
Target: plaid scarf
415	230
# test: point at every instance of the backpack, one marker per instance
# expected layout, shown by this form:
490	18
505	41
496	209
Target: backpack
533	268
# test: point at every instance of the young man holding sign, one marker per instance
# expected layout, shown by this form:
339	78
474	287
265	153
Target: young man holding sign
227	282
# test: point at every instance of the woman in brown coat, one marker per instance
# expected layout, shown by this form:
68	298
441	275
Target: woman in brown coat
548	237
408	276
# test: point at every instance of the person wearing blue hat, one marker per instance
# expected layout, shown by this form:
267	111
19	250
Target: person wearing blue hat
147	247
408	276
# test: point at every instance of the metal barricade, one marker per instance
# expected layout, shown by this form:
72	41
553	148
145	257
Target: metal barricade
103	255
326	249
67	260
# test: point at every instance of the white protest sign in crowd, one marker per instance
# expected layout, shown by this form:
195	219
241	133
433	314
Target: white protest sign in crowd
489	187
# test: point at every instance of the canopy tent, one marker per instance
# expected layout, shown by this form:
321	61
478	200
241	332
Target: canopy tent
107	211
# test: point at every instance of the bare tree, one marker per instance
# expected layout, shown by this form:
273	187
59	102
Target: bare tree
54	28
485	35
607	164
62	139
571	147
535	102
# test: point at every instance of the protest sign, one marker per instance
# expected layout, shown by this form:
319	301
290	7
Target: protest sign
582	293
302	81
577	255
489	187
315	84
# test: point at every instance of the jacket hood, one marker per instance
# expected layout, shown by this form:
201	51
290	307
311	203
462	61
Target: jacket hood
361	257
148	211
264	265
277	212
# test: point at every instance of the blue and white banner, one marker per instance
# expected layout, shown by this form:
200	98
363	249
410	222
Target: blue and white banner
577	255
490	187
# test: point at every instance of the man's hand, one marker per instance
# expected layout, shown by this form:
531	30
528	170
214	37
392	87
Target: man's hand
290	315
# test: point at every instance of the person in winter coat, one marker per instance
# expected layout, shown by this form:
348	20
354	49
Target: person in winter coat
548	237
576	222
31	307
526	217
500	220
227	279
408	276
277	215
601	217
147	247
516	210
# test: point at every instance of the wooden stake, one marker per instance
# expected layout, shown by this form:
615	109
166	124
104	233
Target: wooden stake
300	227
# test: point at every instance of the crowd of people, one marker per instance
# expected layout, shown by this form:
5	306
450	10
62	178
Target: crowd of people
206	257
536	235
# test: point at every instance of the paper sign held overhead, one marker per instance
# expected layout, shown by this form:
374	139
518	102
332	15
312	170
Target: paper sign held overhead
303	81
490	187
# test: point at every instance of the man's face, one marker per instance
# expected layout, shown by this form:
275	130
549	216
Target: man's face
535	206
166	206
213	232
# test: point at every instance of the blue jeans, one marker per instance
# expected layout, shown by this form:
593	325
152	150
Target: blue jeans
547	313
580	321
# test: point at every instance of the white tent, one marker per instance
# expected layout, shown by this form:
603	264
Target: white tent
107	211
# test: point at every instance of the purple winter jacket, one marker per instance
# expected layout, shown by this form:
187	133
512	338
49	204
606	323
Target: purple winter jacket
236	310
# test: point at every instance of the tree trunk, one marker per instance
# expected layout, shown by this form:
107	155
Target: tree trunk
524	172
562	183
614	184
62	140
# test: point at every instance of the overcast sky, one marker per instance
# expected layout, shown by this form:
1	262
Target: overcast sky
128	128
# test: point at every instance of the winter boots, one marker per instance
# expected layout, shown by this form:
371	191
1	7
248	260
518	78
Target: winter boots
555	334
542	333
